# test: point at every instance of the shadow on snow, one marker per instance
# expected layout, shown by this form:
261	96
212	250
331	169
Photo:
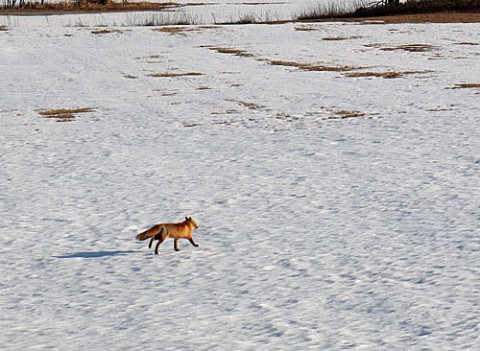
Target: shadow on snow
96	254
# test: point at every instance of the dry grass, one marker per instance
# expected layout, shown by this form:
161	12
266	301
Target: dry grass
305	28
250	105
312	67
386	75
340	38
411	48
439	17
64	115
182	30
376	9
88	7
173	30
105	31
467	86
174	75
404	47
343	114
3	28
230	51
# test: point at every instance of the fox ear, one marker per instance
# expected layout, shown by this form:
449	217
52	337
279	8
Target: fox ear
186	218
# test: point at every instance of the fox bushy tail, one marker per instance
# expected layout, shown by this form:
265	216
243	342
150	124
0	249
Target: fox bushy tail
149	233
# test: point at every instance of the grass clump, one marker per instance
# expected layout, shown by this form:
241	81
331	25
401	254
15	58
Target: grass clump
389	8
24	6
63	114
313	67
174	75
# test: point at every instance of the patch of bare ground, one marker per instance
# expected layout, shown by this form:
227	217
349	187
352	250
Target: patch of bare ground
411	48
343	114
305	28
403	47
3	28
105	31
386	75
467	43
341	38
182	30
174	75
248	105
467	86
313	67
434	17
154	58
64	115
37	8
231	51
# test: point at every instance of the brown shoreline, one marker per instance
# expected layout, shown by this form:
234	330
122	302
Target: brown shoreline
61	9
70	8
437	17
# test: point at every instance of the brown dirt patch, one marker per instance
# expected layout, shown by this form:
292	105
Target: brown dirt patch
231	51
36	9
411	48
64	115
438	17
174	75
105	31
342	114
340	38
313	67
386	75
182	30
467	86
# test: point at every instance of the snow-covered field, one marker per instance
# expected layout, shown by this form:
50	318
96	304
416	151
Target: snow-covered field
336	212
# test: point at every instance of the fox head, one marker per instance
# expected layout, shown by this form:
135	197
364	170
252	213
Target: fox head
191	220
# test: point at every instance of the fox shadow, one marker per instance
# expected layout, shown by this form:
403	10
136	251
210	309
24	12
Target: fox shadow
96	254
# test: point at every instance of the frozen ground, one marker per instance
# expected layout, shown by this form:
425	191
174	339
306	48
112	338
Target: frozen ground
335	212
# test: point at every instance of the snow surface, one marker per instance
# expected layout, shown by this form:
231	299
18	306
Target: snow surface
316	232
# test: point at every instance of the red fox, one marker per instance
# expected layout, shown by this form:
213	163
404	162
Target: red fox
161	231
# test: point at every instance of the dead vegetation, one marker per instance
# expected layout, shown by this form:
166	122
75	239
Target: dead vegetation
313	67
174	75
3	28
389	8
411	48
182	30
65	115
467	86
343	114
105	31
467	43
173	30
341	38
386	75
404	47
86	6
231	51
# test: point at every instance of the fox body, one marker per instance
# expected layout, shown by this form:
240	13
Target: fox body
176	231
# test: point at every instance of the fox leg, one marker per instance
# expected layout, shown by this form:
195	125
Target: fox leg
175	244
151	242
161	240
193	242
